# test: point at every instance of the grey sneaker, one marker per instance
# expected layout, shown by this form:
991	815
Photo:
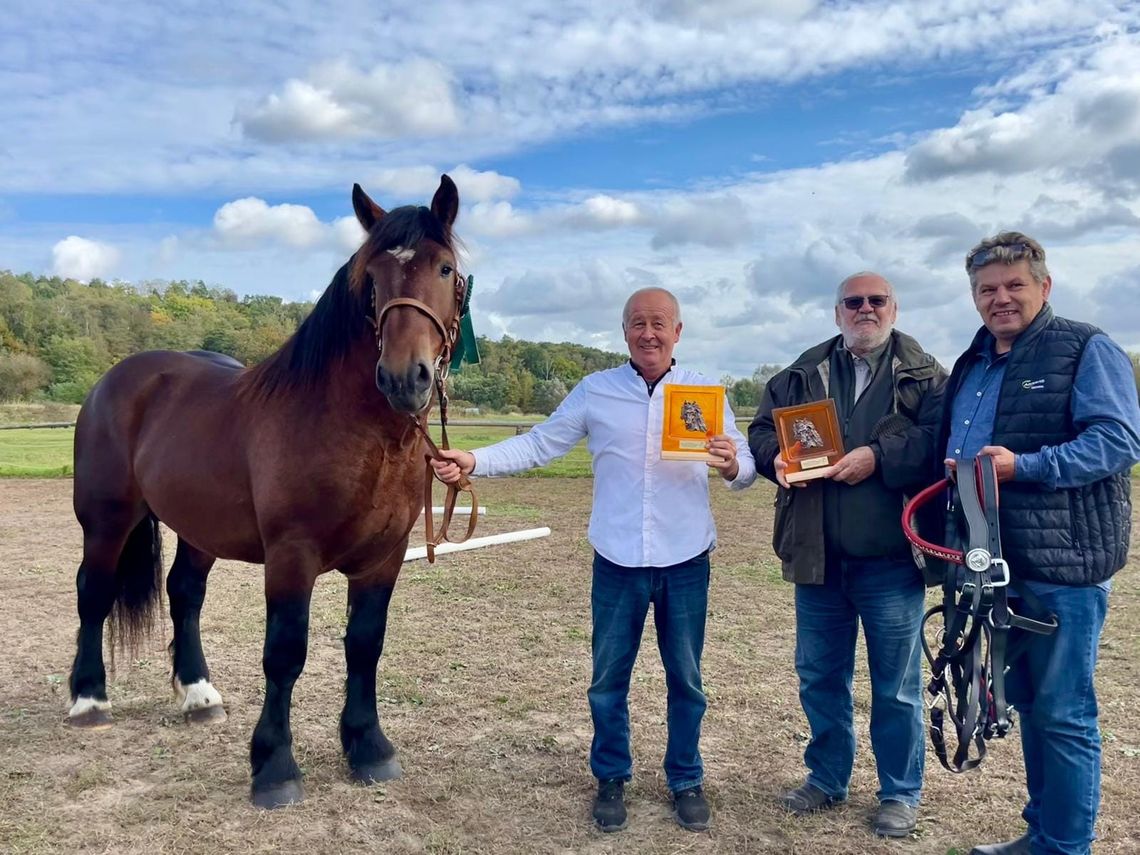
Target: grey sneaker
895	819
609	806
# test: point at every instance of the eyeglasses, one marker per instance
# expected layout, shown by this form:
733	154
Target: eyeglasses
990	254
876	300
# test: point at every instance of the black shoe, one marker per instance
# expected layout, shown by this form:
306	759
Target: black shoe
609	809
691	809
808	798
895	819
1010	847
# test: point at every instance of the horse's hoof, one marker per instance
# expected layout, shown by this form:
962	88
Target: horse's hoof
279	795
206	715
375	773
95	718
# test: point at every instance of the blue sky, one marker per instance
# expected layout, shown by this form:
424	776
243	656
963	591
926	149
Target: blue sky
747	155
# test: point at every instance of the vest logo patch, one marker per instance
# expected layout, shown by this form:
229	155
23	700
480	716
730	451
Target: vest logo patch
1033	384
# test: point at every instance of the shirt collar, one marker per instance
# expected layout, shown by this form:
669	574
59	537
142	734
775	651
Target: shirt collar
650	385
873	359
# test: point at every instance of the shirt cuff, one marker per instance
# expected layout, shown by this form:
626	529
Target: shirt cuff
1033	467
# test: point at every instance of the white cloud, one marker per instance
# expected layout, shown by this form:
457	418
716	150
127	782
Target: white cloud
497	219
409	184
79	258
608	211
340	102
251	221
717	221
301	111
1077	112
349	234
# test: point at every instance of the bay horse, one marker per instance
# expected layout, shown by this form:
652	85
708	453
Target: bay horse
299	463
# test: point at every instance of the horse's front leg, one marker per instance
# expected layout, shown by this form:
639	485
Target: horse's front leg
288	592
371	757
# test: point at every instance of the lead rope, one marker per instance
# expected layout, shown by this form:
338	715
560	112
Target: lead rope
432	540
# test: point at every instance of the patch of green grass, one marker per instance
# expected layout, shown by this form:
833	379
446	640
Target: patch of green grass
766	570
47	452
38	453
576	464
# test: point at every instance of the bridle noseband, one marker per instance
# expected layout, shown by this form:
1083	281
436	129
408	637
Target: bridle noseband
449	335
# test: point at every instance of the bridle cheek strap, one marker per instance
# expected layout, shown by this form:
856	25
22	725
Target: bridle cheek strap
442	367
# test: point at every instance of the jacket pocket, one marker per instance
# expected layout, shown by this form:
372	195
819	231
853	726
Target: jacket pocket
784	527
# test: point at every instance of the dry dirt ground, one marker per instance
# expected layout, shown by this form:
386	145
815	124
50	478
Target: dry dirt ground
483	686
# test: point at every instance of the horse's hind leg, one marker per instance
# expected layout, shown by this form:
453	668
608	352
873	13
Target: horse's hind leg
186	587
371	757
97	589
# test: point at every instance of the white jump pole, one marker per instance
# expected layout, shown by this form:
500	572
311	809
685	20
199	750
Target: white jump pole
462	511
415	552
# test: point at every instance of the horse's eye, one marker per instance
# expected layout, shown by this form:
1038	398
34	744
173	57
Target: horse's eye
446	270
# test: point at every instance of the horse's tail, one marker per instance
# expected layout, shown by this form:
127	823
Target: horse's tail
138	586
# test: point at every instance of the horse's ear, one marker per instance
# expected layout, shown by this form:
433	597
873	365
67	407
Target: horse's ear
445	203
367	211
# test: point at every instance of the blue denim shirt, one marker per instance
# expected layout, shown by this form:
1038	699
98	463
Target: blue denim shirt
1105	412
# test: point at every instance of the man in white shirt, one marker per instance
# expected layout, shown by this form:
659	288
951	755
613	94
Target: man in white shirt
652	530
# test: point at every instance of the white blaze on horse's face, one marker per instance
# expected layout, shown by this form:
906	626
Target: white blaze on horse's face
402	254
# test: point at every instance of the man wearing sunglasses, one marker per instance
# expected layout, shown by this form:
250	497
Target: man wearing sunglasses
840	540
1053	401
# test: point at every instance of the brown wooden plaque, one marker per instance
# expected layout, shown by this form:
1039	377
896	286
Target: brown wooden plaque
809	438
693	414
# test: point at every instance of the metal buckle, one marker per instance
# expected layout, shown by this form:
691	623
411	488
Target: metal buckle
1002	580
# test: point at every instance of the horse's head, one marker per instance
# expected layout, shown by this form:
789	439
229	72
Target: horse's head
409	263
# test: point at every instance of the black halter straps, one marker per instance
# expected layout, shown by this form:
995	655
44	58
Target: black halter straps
967	684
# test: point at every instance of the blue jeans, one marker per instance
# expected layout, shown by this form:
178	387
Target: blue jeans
620	600
887	595
1051	687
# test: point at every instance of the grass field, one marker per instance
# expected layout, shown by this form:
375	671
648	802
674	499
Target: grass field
483	689
46	452
36	453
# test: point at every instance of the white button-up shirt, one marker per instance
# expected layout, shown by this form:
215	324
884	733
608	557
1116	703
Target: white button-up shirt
647	512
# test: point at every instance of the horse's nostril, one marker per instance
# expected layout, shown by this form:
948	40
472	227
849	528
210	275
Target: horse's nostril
424	375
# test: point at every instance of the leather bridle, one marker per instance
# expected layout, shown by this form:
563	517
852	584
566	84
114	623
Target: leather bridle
449	335
967	682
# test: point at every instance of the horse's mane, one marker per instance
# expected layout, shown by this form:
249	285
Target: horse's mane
343	310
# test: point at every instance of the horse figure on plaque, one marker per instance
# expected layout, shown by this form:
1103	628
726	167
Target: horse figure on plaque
807	434
692	416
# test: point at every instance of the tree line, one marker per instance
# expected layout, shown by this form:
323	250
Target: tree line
58	336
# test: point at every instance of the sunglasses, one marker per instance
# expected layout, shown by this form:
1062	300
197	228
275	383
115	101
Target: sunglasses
876	300
984	256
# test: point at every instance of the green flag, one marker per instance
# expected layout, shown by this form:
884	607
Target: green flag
468	350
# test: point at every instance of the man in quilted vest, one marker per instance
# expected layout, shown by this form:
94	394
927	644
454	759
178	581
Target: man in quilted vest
1053	401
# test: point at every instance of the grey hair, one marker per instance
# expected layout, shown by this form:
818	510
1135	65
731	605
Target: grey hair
859	275
1000	252
654	289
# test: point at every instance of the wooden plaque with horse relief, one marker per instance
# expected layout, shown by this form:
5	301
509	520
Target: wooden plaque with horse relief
809	438
692	415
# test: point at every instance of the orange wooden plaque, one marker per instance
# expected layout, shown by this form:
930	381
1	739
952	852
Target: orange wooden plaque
693	414
809	438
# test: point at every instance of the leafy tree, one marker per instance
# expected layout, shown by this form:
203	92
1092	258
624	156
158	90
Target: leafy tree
21	375
548	394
